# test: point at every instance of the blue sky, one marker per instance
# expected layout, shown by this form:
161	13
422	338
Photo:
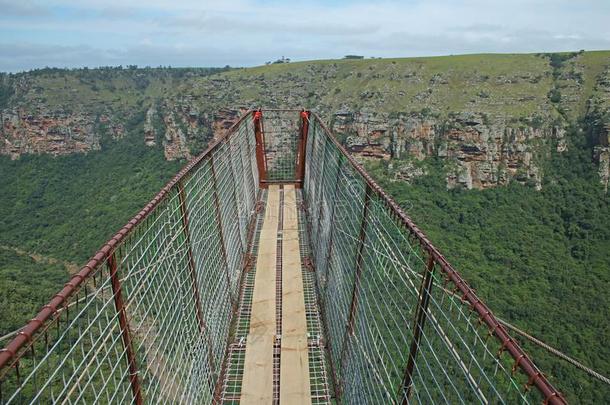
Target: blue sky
75	33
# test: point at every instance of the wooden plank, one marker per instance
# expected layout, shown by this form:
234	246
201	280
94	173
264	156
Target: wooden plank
294	378
257	384
291	219
294	367
293	298
262	318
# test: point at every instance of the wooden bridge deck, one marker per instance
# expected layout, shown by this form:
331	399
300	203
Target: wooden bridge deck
257	385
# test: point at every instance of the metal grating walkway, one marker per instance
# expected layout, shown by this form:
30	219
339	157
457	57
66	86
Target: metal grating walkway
277	354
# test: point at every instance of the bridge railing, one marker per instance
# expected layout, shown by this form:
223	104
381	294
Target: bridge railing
402	324
148	316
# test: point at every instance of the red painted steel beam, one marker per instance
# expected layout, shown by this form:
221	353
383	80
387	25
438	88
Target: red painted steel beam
536	378
130	355
203	329
301	150
283	182
359	259
418	328
238	214
332	218
349	330
192	273
261	161
13	350
221	233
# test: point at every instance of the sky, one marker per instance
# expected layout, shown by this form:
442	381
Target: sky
78	33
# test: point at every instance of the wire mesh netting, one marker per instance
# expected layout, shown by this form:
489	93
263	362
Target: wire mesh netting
281	134
152	319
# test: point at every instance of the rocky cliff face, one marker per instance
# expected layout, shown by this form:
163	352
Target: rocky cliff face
602	156
600	107
150	133
60	133
225	118
484	152
480	152
42	132
491	123
174	143
55	133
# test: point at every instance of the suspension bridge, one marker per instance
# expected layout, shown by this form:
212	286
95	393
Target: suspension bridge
271	269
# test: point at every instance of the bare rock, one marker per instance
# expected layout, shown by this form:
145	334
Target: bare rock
483	151
150	135
175	140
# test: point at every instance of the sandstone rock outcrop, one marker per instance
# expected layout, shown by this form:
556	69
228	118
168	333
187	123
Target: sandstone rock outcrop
174	142
489	123
225	118
485	152
44	132
602	156
150	134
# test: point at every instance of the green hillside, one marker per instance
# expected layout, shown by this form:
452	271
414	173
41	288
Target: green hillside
507	84
540	259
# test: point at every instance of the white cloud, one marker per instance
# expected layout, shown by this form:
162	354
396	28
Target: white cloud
246	32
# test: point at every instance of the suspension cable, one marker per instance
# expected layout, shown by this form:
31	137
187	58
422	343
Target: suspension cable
556	352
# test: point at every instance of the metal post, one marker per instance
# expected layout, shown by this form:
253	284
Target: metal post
336	384
236	198
319	188
185	227
260	149
125	331
248	155
359	258
193	274
332	220
221	232
349	330
304	129
406	389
